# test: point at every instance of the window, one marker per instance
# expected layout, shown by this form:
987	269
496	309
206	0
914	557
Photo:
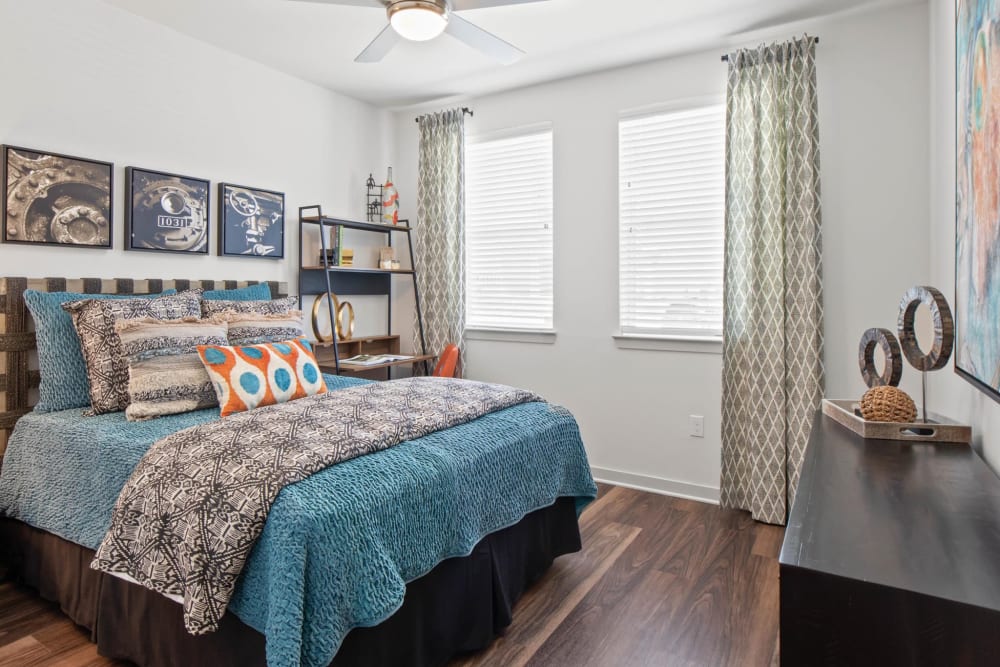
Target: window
508	231
671	222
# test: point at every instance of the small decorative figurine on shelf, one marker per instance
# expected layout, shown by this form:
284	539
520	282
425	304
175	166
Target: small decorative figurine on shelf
374	200
390	202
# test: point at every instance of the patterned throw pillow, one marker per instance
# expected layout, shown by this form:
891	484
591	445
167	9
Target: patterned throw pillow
209	308
95	320
253	329
165	373
258	292
60	360
252	376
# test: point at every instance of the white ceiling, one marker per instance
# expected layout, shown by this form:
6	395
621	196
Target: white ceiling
562	38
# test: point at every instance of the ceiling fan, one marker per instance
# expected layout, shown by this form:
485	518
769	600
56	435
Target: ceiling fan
423	20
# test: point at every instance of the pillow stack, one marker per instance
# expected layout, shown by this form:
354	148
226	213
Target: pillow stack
94	321
63	371
146	356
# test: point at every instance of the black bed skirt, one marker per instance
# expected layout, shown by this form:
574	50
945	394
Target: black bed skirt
458	607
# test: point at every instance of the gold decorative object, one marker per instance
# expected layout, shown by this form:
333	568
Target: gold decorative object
338	324
888	404
350	322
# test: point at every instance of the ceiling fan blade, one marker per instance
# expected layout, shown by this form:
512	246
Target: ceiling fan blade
379	4
460	5
483	41
379	47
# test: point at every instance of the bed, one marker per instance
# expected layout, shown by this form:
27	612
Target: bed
406	556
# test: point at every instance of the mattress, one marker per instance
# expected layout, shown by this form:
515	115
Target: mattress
338	547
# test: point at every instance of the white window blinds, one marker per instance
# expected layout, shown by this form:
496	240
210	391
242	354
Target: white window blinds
508	231
671	222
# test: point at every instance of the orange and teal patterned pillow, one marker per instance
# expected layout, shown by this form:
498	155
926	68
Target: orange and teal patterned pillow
251	376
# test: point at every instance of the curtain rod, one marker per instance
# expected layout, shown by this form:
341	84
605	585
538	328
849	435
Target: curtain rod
465	110
725	57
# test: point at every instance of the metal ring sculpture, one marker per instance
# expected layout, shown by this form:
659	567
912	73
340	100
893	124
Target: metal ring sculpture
944	328
339	328
317	305
345	332
893	371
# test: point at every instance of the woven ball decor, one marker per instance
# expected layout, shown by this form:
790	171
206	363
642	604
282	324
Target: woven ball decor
888	404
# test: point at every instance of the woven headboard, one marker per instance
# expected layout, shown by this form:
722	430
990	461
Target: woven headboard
17	338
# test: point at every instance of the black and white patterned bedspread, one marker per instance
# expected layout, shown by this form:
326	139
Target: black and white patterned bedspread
186	520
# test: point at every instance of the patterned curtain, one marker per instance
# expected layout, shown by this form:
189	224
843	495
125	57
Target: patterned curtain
439	243
773	324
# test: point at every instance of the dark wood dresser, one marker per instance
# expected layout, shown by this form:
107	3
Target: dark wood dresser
891	555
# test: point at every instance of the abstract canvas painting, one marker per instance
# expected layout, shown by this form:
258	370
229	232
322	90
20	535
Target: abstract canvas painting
977	234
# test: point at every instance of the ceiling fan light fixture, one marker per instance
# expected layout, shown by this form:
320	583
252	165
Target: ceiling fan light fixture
418	20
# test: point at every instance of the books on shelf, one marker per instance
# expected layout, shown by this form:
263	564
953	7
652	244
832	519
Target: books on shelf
334	247
374	359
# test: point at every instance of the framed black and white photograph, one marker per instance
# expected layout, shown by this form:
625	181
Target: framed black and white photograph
55	199
251	222
166	212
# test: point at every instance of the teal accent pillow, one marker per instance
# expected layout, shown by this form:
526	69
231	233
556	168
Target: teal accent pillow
64	383
259	292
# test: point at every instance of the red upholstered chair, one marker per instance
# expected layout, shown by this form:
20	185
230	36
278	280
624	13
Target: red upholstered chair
447	361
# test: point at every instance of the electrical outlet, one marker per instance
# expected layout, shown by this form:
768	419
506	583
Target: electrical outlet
697	423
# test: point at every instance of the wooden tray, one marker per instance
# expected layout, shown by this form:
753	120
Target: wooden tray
938	429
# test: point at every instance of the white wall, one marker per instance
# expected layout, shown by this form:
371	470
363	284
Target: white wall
633	405
85	78
949	394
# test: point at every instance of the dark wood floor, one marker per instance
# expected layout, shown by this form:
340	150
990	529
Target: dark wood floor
660	581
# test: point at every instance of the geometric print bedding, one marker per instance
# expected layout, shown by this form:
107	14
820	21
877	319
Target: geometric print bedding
94	321
166	376
188	517
250	376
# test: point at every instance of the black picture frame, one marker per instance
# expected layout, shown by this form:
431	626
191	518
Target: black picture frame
977	299
251	222
53	199
167	212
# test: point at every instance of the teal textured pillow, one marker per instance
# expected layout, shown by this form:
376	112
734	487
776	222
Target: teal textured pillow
64	382
260	292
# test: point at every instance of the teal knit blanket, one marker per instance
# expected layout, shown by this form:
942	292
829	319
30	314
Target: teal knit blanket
338	547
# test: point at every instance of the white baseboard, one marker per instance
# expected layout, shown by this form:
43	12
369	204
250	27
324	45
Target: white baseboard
666	487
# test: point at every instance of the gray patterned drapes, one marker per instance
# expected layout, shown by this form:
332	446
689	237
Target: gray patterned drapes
439	243
773	323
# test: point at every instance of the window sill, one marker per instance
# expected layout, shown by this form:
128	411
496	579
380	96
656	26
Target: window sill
696	345
538	336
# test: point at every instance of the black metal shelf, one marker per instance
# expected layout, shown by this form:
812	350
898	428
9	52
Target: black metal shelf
348	269
349	280
355	224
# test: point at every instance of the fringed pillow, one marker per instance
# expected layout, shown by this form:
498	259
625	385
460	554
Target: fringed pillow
272	307
256	329
166	376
